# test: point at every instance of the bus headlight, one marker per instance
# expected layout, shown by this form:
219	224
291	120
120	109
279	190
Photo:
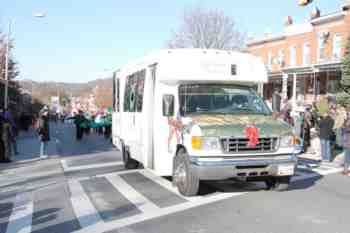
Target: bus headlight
205	143
288	141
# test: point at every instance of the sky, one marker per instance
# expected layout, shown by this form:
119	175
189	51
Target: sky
82	40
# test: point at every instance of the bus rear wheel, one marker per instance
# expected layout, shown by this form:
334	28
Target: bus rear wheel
129	163
184	177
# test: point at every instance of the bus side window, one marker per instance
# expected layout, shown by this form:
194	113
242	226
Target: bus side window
129	94
118	95
140	89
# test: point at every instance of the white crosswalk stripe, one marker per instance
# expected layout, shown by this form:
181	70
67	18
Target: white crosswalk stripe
90	219
132	195
84	210
21	218
67	168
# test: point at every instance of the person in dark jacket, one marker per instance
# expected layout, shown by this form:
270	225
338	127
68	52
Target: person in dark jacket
307	127
79	120
326	131
44	132
346	144
3	158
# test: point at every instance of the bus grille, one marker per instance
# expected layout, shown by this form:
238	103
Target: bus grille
240	145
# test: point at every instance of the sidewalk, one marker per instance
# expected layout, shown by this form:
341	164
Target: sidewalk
28	146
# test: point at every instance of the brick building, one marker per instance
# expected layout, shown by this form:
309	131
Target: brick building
304	61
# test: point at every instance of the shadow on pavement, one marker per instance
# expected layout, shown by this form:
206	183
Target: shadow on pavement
236	186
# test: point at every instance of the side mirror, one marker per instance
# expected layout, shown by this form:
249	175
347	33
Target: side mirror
168	105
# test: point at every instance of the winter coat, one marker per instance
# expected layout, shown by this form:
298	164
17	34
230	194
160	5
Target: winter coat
346	133
326	127
44	129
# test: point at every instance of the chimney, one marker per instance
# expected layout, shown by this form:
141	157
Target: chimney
346	5
288	21
315	13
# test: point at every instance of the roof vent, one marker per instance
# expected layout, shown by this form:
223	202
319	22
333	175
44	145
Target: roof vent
288	21
315	13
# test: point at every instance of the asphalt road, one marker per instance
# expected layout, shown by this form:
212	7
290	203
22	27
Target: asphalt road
83	187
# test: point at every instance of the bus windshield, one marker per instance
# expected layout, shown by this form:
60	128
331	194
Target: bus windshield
220	99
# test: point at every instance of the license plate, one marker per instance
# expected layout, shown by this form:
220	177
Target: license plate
285	170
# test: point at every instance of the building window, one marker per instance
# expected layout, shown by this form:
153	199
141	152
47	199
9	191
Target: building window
333	84
280	58
269	60
337	40
306	54
293	56
321	47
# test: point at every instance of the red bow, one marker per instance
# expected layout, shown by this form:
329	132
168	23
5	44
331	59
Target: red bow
252	133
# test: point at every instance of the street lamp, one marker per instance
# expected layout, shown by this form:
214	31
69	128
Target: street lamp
7	57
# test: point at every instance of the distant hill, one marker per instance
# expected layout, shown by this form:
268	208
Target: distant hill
101	88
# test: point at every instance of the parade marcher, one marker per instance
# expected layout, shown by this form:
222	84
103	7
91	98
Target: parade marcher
44	132
79	120
108	125
346	144
98	122
326	131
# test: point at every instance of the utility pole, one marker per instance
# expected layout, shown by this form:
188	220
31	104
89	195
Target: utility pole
7	61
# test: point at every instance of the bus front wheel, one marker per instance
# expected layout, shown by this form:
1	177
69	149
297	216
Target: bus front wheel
184	177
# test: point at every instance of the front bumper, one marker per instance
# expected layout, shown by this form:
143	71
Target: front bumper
224	168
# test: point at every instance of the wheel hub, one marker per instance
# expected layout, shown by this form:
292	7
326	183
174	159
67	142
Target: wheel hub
180	174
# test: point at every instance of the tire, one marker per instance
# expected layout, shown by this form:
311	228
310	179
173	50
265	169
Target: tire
184	177
282	183
129	163
270	183
278	183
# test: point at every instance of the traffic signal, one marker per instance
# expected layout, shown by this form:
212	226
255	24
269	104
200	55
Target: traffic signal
304	2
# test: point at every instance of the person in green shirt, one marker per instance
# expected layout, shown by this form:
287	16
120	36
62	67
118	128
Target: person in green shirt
80	122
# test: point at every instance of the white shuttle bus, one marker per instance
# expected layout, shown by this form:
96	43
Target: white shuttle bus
195	115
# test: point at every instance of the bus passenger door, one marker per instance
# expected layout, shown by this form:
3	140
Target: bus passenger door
128	116
116	120
140	119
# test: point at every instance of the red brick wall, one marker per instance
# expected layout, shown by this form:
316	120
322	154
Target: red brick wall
340	26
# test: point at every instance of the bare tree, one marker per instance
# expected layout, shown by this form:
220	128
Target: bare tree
13	69
207	28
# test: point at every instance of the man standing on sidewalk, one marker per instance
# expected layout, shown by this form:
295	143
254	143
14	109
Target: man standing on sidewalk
2	144
5	136
326	131
44	132
307	127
